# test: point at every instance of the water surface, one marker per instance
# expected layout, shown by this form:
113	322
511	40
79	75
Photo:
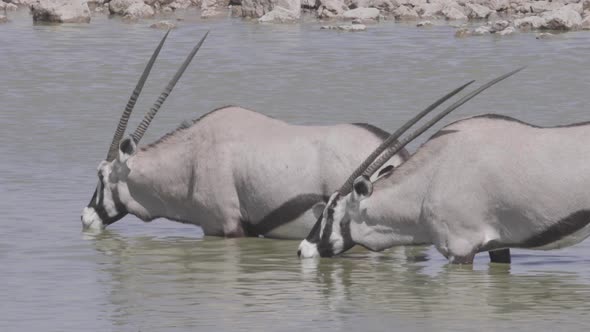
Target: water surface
62	89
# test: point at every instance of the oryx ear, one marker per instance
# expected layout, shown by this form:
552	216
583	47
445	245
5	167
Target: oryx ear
127	148
318	209
362	188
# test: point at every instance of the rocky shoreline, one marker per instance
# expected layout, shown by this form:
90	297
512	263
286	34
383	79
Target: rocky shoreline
499	17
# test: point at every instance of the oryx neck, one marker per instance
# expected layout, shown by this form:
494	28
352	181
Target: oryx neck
391	216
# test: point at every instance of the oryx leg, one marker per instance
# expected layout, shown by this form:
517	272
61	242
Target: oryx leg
500	256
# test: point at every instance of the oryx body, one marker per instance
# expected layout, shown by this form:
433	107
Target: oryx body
236	172
487	183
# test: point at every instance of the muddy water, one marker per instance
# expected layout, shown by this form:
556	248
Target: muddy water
62	89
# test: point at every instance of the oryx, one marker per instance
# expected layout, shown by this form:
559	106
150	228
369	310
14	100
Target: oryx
486	183
234	172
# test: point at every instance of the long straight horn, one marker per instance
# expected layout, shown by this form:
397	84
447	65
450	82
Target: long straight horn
400	145
143	126
112	154
346	187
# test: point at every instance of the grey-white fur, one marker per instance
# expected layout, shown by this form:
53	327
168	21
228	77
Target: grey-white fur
234	167
482	184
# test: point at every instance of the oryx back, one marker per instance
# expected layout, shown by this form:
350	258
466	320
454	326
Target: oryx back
502	183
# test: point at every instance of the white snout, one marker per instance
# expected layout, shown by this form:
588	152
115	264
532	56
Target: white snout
91	220
308	250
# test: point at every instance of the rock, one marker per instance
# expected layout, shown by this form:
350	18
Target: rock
284	11
498	25
180	4
530	22
312	4
362	13
462	33
10	7
347	27
507	31
166	25
498	5
482	30
405	13
213	8
280	15
477	11
3	19
61	11
139	10
22	3
586	23
256	8
538	7
331	8
120	6
236	11
429	10
565	18
544	35
454	13
424	23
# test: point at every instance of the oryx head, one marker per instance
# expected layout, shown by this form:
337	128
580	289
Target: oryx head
106	205
331	235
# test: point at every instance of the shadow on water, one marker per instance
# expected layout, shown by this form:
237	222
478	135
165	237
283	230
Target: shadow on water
232	283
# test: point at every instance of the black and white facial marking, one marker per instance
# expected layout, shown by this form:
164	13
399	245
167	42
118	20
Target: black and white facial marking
330	235
105	207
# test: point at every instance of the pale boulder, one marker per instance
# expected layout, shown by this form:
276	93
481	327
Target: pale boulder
256	8
166	25
213	8
586	23
538	7
454	13
346	27
279	15
498	5
429	10
120	6
139	10
362	14
61	11
424	24
3	19
565	18
477	11
529	22
507	31
499	25
285	11
331	8
405	13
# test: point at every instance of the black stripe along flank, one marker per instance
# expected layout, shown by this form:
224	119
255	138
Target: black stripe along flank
284	214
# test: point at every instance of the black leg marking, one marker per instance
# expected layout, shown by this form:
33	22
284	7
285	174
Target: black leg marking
500	256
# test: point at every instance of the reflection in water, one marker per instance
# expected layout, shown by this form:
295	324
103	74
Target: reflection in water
167	282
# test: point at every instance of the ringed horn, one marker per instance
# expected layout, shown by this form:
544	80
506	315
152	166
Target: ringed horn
141	129
367	168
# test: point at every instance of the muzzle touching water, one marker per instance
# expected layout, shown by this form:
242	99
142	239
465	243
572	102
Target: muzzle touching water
91	220
308	250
